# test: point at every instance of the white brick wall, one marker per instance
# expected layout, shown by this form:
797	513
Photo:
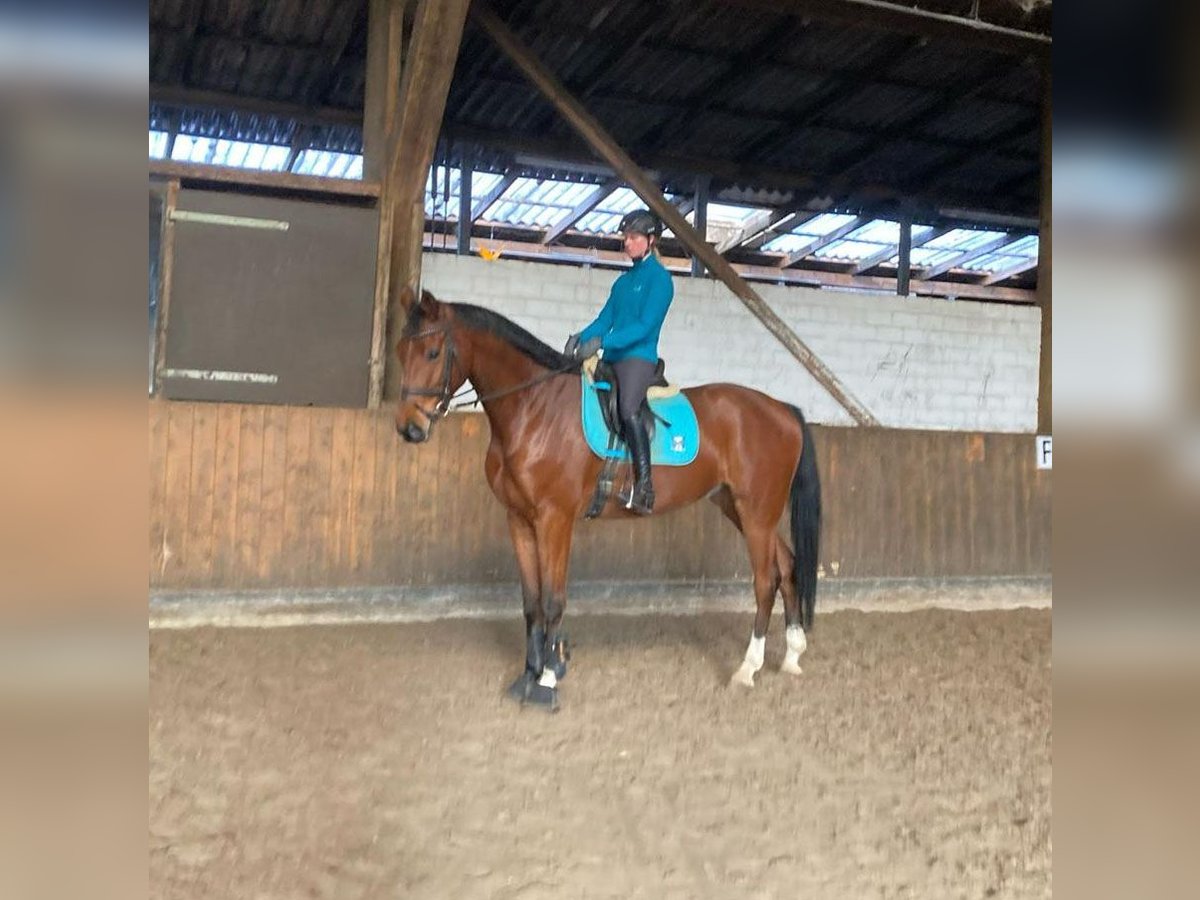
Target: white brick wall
915	362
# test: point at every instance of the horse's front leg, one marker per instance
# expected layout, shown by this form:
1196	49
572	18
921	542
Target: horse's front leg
554	533
524	541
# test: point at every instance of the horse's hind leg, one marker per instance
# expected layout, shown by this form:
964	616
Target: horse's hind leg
784	563
796	642
760	540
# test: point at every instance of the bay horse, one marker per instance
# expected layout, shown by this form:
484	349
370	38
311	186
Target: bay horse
756	456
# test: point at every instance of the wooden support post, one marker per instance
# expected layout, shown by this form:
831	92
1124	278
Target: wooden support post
1045	415
429	66
385	26
599	139
702	185
904	262
166	250
464	203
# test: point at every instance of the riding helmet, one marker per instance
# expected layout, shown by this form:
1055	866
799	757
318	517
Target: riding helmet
642	221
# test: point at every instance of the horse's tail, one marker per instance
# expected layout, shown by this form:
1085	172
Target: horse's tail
806	525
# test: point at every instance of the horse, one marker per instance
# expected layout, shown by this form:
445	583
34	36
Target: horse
756	458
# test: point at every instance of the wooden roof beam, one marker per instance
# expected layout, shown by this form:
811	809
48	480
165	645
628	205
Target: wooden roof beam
602	142
585	206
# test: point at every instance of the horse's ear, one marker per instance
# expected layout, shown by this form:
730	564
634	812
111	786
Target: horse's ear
407	296
429	308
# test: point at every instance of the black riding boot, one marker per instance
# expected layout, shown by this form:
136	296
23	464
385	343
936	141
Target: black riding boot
642	499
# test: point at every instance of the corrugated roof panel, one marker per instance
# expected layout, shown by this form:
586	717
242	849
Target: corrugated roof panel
828	46
924	257
329	164
735	215
804	233
724	28
962	239
537	203
1021	251
440	206
880	106
821	225
847	250
221	152
976	119
605	218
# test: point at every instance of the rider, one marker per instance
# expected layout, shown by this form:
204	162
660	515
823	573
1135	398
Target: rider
627	330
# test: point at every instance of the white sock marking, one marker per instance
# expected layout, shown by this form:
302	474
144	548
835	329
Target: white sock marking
548	679
755	653
796	644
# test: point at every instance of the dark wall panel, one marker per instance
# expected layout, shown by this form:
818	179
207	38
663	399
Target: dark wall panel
292	305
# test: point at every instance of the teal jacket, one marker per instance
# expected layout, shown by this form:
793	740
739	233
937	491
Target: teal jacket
629	324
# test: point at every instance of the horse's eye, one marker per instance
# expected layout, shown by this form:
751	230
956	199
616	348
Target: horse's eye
433	354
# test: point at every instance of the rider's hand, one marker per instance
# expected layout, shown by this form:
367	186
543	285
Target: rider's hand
588	348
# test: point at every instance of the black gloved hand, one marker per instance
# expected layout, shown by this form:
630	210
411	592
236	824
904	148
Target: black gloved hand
572	344
588	348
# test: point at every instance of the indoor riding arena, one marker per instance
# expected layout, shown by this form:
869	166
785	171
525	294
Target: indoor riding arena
855	213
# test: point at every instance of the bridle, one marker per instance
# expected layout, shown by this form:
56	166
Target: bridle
445	393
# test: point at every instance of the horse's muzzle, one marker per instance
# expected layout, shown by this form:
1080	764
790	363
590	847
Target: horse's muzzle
412	433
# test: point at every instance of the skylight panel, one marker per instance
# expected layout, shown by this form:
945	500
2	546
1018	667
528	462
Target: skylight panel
605	218
821	225
438	205
848	250
737	215
328	164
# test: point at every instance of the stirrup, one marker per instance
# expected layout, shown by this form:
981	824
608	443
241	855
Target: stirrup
638	499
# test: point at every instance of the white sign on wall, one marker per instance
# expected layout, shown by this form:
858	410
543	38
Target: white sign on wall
1045	451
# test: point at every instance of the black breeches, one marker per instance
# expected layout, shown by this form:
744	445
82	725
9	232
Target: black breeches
633	377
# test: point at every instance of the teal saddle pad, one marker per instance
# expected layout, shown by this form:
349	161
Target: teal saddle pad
676	439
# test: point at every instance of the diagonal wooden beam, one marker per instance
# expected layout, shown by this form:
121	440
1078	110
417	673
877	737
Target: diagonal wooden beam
585	206
1010	272
823	241
602	142
966	256
493	195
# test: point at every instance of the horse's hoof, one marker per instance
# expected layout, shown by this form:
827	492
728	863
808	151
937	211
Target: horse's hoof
791	668
545	697
519	689
743	676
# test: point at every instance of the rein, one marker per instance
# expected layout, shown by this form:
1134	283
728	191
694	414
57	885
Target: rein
446	399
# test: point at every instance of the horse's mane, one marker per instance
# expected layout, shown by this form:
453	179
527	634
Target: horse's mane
506	329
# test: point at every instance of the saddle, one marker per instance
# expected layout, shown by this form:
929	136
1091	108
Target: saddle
604	380
675	443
